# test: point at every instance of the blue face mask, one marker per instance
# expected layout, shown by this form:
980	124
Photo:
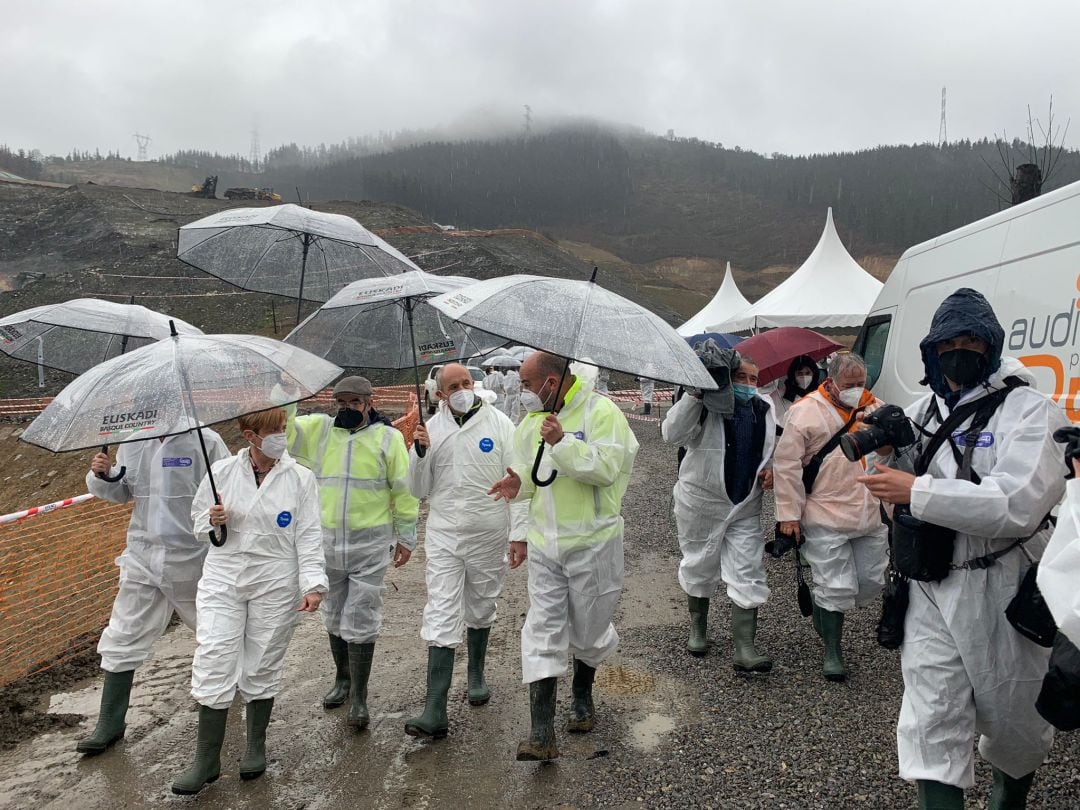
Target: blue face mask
743	392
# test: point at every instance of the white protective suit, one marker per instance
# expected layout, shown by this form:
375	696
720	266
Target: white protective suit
966	669
1059	570
575	532
162	563
493	382
512	391
467	531
252	586
846	544
719	541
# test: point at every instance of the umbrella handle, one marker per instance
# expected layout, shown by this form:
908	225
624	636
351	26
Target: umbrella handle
536	469
224	536
112	479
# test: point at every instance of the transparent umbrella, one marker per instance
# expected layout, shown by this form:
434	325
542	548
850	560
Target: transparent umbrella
77	335
502	361
577	320
385	323
287	250
182	383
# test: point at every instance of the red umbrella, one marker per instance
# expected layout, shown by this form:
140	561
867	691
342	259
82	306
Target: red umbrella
774	350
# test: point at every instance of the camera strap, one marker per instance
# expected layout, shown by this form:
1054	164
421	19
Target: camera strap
813	466
981	410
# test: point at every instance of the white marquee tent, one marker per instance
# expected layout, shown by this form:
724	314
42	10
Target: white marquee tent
829	290
726	304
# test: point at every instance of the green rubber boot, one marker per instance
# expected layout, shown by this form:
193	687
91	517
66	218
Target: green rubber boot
832	631
582	715
743	631
698	643
360	656
939	796
253	765
1009	793
540	747
479	694
339	692
816	620
440	669
207	767
115	695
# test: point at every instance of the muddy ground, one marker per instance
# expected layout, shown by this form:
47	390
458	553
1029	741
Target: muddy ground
673	731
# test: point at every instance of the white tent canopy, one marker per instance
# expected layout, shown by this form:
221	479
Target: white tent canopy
829	290
726	304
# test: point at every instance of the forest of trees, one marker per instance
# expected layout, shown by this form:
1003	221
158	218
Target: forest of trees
647	195
30	165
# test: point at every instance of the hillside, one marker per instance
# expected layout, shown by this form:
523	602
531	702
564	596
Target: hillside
114	242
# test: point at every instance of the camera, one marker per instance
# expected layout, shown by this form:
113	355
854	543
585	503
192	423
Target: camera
888	425
1070	437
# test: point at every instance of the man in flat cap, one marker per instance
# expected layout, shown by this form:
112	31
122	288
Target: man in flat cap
368	519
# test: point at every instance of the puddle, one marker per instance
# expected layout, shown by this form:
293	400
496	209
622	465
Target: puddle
648	731
621	680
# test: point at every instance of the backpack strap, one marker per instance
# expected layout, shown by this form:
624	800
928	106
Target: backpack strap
813	466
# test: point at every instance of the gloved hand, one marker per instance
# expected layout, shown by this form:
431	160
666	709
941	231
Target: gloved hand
1070	437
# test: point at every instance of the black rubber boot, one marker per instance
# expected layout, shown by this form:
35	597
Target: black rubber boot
698	643
440	670
1009	793
832	631
939	796
582	716
339	692
360	656
479	694
253	765
115	695
540	747
743	631
207	767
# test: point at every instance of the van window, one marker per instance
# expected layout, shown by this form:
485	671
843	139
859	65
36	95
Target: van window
476	374
870	345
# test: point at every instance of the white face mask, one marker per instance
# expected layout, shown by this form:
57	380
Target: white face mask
273	445
851	396
461	401
532	402
803	380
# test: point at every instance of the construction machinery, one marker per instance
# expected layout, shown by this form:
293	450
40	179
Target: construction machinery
266	194
207	188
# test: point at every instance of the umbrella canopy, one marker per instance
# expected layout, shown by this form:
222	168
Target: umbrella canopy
176	385
367	324
578	320
723	339
502	361
79	334
774	350
287	250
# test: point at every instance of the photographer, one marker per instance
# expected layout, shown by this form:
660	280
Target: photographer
845	541
988	482
729	436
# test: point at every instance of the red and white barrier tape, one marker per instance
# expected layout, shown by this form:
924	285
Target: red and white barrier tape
14	517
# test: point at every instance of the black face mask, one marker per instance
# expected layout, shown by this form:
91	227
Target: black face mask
349	419
965	367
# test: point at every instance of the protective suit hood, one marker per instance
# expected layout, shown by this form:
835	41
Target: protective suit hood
965	312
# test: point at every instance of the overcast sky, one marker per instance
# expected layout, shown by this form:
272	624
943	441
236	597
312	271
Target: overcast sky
772	75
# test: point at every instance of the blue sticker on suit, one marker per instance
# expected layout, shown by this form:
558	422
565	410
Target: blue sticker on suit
176	461
985	439
284	519
487	445
579	434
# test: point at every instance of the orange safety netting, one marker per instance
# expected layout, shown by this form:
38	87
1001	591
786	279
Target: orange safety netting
57	582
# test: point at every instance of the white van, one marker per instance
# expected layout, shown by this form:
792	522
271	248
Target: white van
1025	260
